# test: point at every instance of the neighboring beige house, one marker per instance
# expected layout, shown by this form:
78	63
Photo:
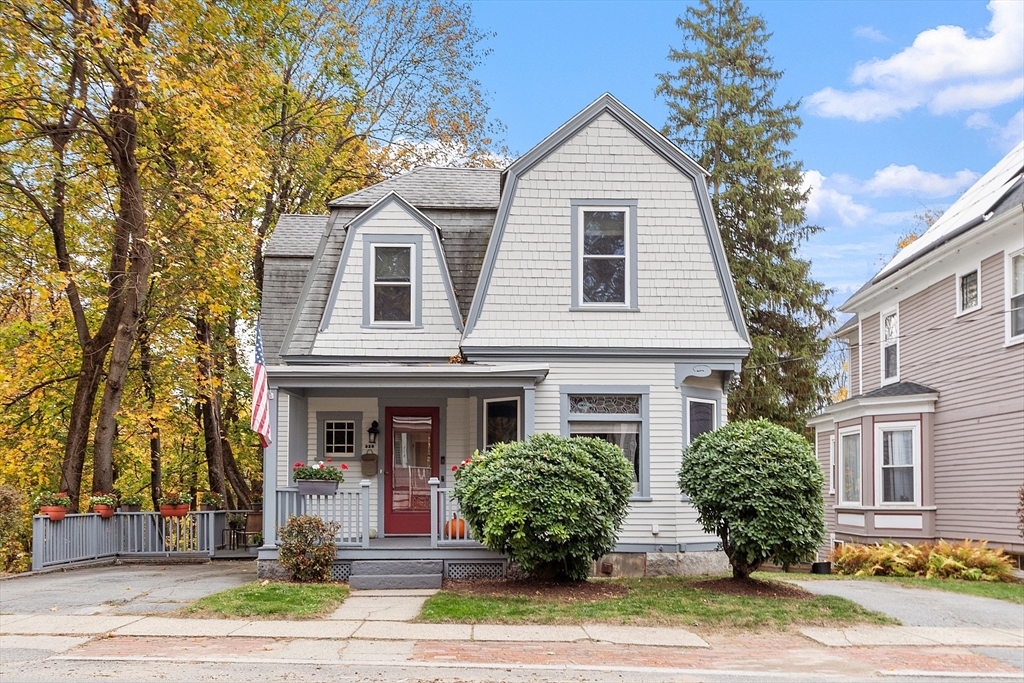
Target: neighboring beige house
931	443
584	290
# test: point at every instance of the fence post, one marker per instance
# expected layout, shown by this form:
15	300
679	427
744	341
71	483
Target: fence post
38	541
364	500
211	518
434	484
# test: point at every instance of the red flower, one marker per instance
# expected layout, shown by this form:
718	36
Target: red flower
328	460
343	466
298	464
454	467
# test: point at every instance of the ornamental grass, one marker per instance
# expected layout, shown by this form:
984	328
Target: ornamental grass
942	560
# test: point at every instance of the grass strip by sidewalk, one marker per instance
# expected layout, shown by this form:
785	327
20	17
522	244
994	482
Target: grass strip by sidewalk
668	601
1009	592
273	600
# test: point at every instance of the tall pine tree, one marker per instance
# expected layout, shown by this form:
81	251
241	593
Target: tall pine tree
723	113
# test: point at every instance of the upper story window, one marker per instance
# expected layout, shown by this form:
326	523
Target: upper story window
968	294
392	283
604	254
1015	297
890	346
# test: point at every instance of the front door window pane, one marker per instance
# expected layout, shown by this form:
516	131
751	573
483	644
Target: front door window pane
898	466
411	460
851	468
625	435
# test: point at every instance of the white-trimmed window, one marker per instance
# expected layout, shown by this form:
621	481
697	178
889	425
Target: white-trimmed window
392	295
849	466
831	464
501	421
890	323
898	463
1015	297
701	416
616	418
968	291
339	438
604	253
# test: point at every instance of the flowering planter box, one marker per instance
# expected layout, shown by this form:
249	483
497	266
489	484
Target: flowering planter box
104	511
315	487
54	512
174	510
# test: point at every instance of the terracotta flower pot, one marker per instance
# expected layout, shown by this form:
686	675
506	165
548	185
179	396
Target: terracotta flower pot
104	511
54	512
174	510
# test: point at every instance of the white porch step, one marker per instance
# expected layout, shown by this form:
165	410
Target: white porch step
395	574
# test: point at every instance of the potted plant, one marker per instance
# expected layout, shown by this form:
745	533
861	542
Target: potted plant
236	521
210	500
175	504
256	501
320	479
53	505
103	504
131	502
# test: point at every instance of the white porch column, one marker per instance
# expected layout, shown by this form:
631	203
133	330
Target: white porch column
270	478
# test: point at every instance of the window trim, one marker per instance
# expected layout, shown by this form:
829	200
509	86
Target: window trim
882	344
643	492
1010	340
832	472
976	268
370	244
519	417
578	206
840	500
915	427
714	415
325	416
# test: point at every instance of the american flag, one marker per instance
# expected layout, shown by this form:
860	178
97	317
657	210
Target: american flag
260	394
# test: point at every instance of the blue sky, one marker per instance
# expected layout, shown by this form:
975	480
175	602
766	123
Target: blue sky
904	104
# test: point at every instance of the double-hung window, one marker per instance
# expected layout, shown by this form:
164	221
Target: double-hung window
1015	297
393	295
898	463
604	255
890	346
968	291
849	467
617	419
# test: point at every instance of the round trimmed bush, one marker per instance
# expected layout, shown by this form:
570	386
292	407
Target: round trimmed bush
306	548
553	504
757	486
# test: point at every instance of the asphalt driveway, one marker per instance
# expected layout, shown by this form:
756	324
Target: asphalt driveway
922	607
123	589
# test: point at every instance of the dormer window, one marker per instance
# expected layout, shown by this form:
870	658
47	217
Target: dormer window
392	283
604	254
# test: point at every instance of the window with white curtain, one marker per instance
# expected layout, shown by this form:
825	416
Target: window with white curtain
849	467
898	462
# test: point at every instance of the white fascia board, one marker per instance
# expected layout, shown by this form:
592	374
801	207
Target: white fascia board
883	405
1001	232
438	374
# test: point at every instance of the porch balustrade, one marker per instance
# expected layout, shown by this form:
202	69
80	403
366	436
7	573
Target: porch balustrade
350	509
447	526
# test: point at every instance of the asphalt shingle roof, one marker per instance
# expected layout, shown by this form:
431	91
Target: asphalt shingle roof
431	187
296	235
900	389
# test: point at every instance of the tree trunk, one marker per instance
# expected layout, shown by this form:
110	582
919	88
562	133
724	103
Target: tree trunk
78	427
149	386
208	408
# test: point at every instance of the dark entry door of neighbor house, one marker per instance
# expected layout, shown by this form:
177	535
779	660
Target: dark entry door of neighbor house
411	457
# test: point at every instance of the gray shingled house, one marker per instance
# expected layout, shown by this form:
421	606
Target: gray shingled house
930	443
584	290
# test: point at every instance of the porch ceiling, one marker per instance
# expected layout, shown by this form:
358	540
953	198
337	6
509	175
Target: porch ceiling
390	375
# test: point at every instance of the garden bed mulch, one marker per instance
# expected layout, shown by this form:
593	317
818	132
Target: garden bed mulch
558	592
753	588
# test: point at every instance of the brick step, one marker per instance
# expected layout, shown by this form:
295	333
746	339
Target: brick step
393	581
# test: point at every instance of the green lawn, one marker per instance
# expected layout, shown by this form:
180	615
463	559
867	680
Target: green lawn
273	600
1010	592
672	601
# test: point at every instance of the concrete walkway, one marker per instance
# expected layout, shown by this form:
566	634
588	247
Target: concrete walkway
922	607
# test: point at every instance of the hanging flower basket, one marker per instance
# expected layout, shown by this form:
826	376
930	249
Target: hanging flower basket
174	510
53	505
104	511
54	512
103	504
320	479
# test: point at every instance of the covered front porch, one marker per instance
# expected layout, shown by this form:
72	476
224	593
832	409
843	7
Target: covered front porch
397	431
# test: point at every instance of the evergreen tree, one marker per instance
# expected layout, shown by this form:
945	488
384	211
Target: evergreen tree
723	113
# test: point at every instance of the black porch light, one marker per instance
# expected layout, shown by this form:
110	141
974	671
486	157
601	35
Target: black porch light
372	432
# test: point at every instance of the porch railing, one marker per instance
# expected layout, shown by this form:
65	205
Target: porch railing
447	525
350	509
82	537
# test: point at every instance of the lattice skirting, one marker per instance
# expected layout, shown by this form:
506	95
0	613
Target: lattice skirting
340	571
459	570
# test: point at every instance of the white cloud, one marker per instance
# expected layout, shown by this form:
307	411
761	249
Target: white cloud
1004	138
910	180
871	33
826	205
944	69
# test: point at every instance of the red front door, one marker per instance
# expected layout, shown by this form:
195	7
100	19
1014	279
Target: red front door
411	447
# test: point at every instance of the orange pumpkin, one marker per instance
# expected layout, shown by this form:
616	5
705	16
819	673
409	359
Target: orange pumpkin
455	528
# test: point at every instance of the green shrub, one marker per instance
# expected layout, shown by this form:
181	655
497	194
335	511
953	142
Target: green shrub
306	548
14	530
942	560
553	504
757	486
